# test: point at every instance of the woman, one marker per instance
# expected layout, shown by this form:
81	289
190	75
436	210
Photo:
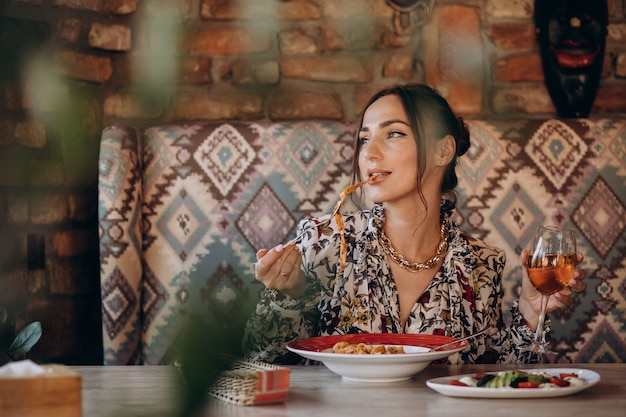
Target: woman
410	269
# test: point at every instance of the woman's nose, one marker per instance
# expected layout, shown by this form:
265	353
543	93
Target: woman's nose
372	150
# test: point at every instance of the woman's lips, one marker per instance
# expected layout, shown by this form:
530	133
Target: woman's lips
377	176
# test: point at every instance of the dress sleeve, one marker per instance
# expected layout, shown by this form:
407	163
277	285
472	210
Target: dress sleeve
273	324
521	336
517	337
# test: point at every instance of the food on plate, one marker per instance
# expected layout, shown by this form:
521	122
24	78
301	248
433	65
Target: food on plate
518	379
365	349
343	253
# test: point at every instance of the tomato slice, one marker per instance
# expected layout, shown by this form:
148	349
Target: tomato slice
559	382
563	376
457	383
528	384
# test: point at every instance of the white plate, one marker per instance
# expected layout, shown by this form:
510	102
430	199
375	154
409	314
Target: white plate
376	368
442	386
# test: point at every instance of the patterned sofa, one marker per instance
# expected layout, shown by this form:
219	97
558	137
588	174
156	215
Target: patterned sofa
183	209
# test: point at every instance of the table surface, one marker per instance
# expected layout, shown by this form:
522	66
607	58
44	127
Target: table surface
133	391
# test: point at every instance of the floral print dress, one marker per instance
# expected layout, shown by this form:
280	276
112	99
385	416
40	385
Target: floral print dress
464	296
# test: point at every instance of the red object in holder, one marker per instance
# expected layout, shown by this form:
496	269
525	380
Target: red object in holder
252	383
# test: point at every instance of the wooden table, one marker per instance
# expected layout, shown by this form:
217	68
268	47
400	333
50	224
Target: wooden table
133	391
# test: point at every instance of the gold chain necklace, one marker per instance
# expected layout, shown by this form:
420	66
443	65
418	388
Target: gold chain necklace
417	266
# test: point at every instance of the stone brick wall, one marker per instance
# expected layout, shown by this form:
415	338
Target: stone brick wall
70	67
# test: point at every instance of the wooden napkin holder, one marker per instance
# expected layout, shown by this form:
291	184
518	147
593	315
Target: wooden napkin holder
57	392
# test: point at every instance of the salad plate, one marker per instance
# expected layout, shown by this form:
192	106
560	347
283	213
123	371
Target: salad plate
418	354
443	386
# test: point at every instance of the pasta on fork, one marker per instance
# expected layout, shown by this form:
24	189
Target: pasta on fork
337	216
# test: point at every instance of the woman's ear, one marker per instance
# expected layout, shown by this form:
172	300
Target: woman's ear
446	150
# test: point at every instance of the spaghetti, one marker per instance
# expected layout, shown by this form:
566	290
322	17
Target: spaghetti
343	251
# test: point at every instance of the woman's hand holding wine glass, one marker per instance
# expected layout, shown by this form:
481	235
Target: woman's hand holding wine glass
551	266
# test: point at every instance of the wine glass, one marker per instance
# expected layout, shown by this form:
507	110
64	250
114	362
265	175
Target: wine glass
551	265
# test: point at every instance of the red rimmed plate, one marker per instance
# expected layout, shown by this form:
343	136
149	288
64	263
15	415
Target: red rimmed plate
377	368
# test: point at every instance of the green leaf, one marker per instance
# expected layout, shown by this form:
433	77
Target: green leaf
3	315
26	339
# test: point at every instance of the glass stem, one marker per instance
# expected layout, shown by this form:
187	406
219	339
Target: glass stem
539	334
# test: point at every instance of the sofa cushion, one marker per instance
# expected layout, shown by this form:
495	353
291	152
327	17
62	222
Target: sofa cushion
184	208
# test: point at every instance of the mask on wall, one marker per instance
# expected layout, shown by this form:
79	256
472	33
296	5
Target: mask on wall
572	38
409	14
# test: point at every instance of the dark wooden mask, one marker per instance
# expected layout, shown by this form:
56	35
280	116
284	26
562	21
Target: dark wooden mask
572	39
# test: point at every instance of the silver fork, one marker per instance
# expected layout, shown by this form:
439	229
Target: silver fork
488	330
314	226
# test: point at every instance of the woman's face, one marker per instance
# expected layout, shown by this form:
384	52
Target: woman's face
388	148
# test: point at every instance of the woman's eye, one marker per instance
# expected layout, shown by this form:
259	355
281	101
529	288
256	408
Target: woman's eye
396	134
363	140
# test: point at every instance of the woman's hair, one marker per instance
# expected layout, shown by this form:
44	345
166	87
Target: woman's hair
430	116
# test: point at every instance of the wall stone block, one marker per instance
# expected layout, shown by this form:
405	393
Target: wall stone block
45	172
15	99
610	100
254	72
453	57
129	106
513	35
259	9
84	66
349	35
16	209
69	243
36	281
286	106
48	208
31	134
296	42
353	9
13	284
195	70
616	34
93	5
320	68
7	132
120	7
217	105
12	169
400	66
362	94
228	41
507	9
522	100
525	67
67	278
110	37
65	323
69	29
620	65
82	207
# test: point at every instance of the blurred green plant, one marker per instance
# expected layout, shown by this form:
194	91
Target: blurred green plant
23	342
204	350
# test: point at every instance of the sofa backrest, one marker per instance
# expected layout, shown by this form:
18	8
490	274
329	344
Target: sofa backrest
184	208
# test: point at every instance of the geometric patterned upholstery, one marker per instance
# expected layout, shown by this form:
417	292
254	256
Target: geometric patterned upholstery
184	208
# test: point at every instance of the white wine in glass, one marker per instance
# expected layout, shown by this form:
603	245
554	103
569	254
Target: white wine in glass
551	265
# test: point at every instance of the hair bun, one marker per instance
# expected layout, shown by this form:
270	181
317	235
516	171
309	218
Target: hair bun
463	142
